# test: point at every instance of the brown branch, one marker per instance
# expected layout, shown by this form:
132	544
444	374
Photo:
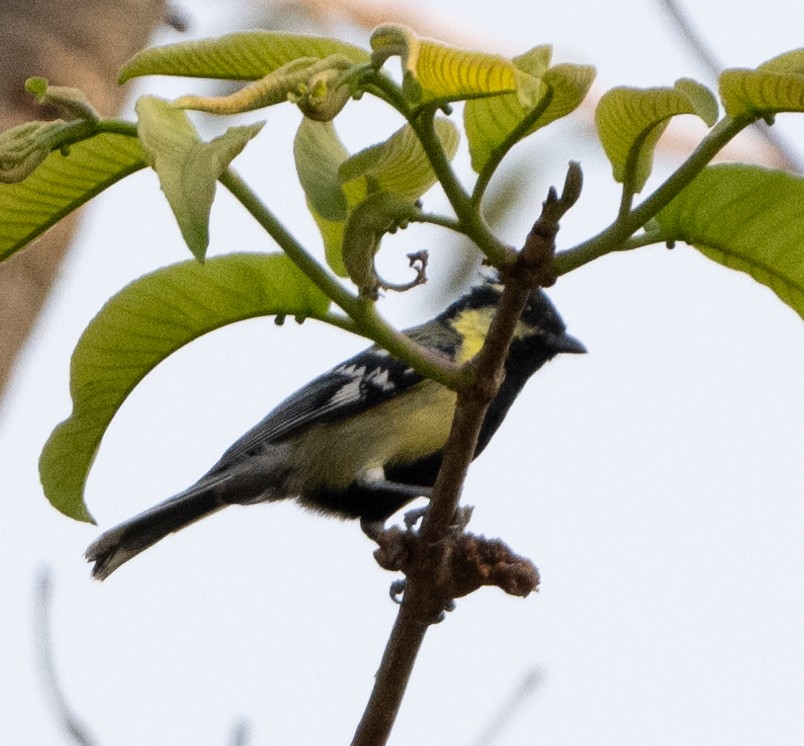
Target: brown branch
440	562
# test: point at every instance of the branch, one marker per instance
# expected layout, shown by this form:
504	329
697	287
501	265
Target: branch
514	702
440	562
67	719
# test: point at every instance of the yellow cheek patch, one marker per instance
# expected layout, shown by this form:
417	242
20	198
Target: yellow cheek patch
473	326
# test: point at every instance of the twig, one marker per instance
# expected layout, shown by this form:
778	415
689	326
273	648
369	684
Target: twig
241	734
514	702
66	718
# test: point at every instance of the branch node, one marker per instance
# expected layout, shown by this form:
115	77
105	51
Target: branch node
534	263
457	565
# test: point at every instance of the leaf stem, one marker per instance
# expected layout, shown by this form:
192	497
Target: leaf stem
497	155
466	210
441	220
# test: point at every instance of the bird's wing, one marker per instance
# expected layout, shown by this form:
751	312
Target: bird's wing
358	384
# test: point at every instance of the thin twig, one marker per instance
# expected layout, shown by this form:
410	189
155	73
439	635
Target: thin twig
790	159
67	719
524	690
241	735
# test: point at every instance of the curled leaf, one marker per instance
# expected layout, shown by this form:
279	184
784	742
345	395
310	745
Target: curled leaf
72	102
631	120
24	147
319	87
267	91
378	214
326	92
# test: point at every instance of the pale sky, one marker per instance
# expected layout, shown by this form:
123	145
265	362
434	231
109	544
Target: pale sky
659	489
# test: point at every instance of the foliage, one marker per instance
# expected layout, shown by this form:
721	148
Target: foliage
741	216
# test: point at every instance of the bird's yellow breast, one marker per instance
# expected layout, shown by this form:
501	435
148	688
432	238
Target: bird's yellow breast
412	425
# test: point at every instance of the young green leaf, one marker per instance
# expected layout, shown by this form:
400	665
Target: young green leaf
143	324
24	147
71	102
631	120
788	62
269	90
378	214
775	86
399	164
314	85
746	218
187	167
434	72
494	125
247	55
62	183
319	154
336	183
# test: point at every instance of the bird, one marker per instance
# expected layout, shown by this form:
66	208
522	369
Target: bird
363	439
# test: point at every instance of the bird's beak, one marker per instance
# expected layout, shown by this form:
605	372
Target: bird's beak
568	343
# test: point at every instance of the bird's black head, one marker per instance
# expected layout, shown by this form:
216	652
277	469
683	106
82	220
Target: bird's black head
540	335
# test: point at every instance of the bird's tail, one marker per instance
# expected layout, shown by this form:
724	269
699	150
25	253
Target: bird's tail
118	545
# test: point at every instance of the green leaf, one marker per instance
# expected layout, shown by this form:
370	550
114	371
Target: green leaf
335	184
378	214
188	168
72	102
789	62
746	218
319	154
24	148
399	164
631	120
61	184
143	324
494	125
775	86
242	56
267	91
435	72
314	85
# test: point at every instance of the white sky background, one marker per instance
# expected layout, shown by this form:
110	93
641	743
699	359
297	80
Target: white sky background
656	482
